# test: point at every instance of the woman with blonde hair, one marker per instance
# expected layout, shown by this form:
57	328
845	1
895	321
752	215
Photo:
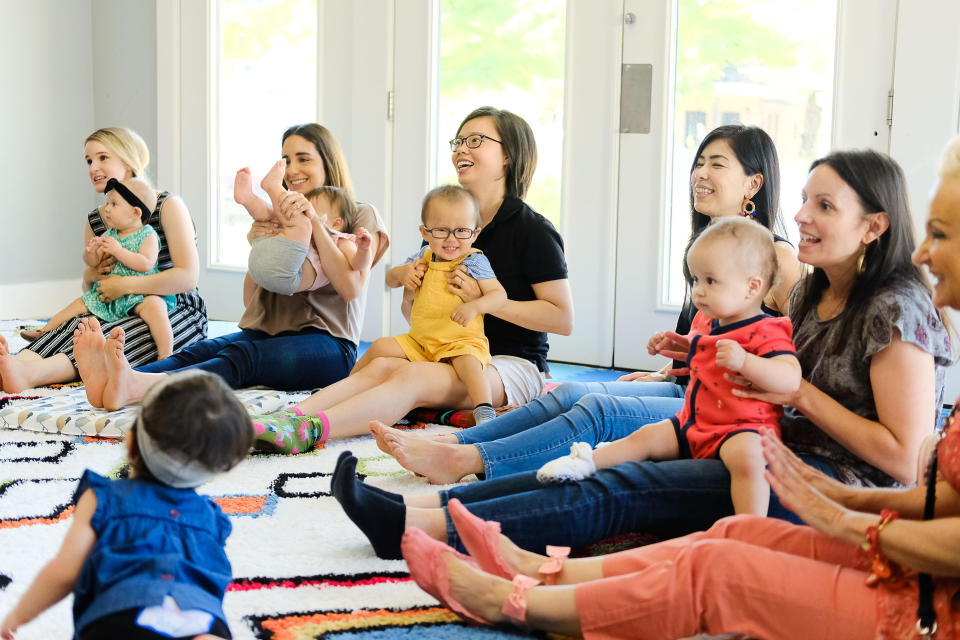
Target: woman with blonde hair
119	153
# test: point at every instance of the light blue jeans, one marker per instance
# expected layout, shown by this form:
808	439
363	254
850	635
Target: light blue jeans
528	437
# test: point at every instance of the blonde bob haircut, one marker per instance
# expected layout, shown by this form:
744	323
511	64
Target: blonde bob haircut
950	162
126	145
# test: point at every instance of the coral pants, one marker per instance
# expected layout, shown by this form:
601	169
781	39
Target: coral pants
763	577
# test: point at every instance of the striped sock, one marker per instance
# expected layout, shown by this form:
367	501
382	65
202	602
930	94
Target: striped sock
484	412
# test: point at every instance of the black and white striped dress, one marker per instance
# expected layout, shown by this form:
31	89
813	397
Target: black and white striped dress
188	319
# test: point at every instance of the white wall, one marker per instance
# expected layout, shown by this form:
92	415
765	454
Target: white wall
46	112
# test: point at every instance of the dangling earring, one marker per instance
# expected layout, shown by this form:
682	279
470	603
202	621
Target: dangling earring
860	267
749	209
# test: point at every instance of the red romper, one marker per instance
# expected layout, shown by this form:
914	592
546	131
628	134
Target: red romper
711	413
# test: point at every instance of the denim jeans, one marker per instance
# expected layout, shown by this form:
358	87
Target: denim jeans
594	412
667	499
289	361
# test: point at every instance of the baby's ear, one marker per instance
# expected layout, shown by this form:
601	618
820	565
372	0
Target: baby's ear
337	224
754	286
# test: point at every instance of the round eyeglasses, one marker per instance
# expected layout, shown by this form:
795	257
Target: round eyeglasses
442	233
472	141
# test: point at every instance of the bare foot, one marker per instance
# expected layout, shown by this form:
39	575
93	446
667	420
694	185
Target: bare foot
13	373
480	593
4	347
272	183
439	462
88	344
119	390
378	429
243	188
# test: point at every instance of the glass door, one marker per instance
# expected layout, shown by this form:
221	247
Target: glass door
519	55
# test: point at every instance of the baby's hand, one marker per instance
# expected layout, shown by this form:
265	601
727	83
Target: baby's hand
656	340
413	275
364	238
92	244
110	245
463	314
730	355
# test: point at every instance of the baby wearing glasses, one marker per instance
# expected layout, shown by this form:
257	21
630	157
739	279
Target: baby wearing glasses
290	261
444	328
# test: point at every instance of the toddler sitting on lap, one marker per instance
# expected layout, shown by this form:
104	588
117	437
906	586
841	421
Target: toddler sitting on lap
135	245
731	265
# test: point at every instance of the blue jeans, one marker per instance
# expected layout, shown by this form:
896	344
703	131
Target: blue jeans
667	499
290	361
593	412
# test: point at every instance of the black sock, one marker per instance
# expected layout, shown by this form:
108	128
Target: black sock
396	497
380	518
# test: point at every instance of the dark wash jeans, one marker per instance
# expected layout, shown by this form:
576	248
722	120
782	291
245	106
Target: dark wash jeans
288	361
668	498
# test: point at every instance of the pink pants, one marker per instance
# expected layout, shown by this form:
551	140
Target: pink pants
760	576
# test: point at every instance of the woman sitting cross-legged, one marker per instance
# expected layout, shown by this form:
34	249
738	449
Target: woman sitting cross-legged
735	173
874	563
872	350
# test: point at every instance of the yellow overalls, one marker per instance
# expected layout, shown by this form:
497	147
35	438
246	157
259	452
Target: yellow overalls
433	335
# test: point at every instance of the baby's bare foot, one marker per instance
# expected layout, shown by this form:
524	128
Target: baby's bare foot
88	344
243	187
272	183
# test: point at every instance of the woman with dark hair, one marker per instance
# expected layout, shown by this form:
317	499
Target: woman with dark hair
495	155
761	577
735	172
117	152
304	340
873	380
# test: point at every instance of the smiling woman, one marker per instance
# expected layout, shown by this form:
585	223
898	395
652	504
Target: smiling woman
120	153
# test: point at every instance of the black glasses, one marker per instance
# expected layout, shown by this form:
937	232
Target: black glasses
472	141
442	233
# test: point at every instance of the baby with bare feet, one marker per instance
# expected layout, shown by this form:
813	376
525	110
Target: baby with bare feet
291	261
135	245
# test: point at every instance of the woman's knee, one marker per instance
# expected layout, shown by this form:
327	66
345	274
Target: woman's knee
383	368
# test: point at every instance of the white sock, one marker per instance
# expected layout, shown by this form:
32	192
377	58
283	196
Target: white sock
576	466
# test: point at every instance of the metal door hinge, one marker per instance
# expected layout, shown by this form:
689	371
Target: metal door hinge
390	105
890	108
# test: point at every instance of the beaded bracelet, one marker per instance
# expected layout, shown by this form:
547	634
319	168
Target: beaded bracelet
881	567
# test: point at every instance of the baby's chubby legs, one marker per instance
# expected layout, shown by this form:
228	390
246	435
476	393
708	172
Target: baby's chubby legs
470	371
153	311
742	453
72	310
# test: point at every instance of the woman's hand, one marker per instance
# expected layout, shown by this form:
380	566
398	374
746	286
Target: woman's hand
112	287
106	264
643	376
745	389
461	284
292	204
797	492
262	228
669	344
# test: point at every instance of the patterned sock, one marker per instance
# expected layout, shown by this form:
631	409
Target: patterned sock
484	412
379	518
290	431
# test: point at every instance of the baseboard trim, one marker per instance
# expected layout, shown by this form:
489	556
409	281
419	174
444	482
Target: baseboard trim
37	299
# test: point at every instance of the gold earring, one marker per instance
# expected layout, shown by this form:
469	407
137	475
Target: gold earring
860	267
749	209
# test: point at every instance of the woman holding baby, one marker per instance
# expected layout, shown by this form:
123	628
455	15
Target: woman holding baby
118	153
298	341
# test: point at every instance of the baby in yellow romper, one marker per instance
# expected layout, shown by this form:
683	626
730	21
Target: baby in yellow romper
444	328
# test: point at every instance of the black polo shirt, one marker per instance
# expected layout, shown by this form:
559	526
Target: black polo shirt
524	249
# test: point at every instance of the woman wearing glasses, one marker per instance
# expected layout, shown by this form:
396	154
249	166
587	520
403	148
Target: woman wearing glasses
495	155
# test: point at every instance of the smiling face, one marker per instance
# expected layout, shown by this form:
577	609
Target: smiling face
118	214
450	213
834	228
103	165
940	250
485	165
719	182
304	166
